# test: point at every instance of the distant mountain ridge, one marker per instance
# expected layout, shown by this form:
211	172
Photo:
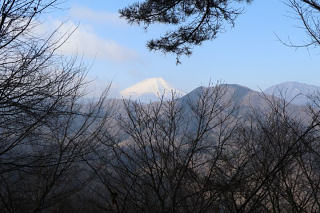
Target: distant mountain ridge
244	99
149	90
295	92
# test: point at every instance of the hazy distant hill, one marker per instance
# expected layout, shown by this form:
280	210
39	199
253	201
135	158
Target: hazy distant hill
243	97
240	96
295	91
151	89
246	100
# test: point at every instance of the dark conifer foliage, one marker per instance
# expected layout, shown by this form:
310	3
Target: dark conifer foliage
196	21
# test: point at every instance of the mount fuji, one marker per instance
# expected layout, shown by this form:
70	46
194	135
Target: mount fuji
150	90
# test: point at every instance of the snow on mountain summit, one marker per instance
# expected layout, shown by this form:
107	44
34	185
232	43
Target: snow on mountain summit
149	90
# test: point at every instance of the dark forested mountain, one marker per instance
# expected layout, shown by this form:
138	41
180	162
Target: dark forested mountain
245	99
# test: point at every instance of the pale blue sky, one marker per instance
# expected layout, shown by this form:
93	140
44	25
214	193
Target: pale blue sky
248	54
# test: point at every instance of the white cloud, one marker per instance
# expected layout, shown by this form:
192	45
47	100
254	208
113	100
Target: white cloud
85	42
104	17
97	86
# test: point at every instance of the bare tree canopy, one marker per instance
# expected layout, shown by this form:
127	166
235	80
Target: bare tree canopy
308	11
196	21
45	128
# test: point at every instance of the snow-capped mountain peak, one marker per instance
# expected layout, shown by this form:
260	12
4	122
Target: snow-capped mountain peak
149	90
